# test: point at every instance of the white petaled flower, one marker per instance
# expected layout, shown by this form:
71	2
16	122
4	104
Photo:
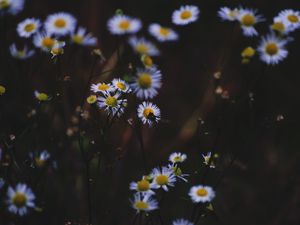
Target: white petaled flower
22	54
185	15
207	160
226	13
40	159
11	6
272	49
143	203
143	46
121	85
28	27
102	87
44	41
248	19
146	83
201	193
291	17
20	199
113	104
162	178
162	34
182	222
178	172
148	113
177	157
123	24
60	24
143	186
81	37
281	26
58	48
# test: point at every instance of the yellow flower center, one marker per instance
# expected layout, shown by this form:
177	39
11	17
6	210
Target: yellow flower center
279	26
121	86
19	199
29	27
111	101
91	99
248	20
148	112
124	25
48	42
42	97
186	15
4	4
147	60
2	90
141	205
103	87
77	39
143	185
145	80
271	48
177	159
164	31
248	52
142	48
293	18
60	23
39	162
162	179
202	192
57	51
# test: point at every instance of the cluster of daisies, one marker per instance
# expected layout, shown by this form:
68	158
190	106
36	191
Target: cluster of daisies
51	35
272	47
163	178
12	7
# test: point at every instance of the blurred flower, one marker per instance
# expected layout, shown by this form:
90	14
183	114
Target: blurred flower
113	104
147	61
20	53
281	26
146	83
182	222
226	13
121	85
11	6
143	46
248	52
185	15
41	96
162	34
207	160
177	157
2	89
291	17
44	41
201	193
28	27
80	37
60	24
40	159
148	113
19	199
144	203
272	49
162	178
102	87
248	19
143	186
91	99
122	24
178	172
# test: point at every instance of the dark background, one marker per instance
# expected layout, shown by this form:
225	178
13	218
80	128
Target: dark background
261	185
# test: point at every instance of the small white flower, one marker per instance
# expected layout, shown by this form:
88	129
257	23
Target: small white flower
143	186
208	160
162	178
143	46
28	27
112	103
122	24
178	172
60	24
291	17
11	6
185	15
248	19
146	83
102	88
44	41
272	49
20	199
177	157
40	159
162	34
226	13
121	85
148	113
143	203
201	193
182	222
80	37
280	25
22	54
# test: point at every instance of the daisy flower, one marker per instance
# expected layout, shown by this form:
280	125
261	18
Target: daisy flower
22	54
147	61
177	157
281	26
162	178
40	159
11	6
20	199
143	46
182	222
248	19
148	113
185	15
120	85
291	17
60	24
272	49
122	24
41	96
58	48
112	103
226	13
102	87
143	203
201	193
28	27
91	99
162	34
80	37
143	186
178	172
146	83
44	41
207	160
